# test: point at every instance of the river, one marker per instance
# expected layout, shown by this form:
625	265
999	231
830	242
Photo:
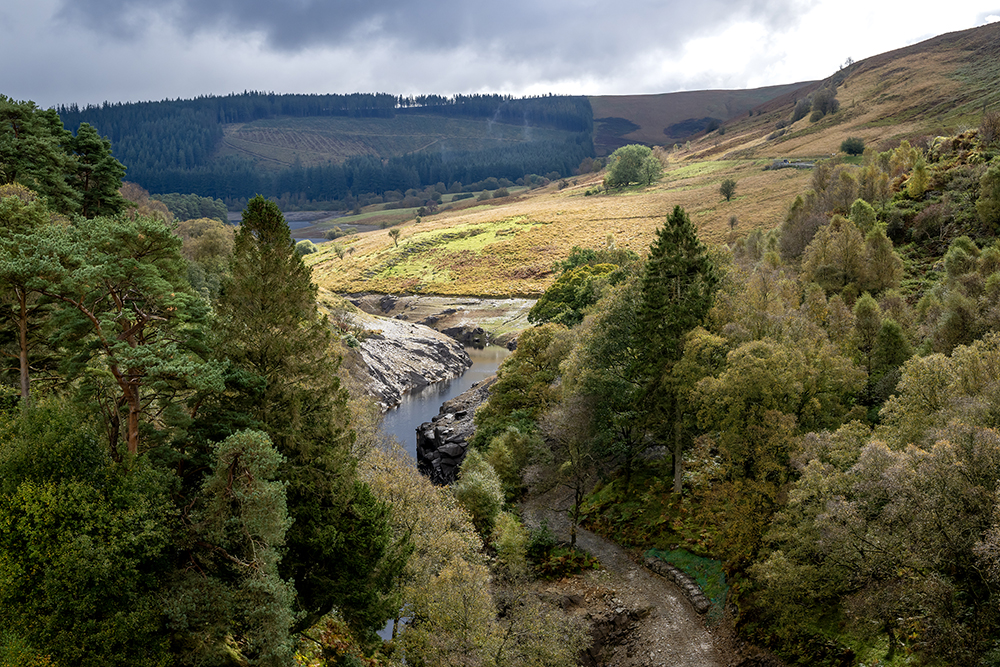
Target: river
419	406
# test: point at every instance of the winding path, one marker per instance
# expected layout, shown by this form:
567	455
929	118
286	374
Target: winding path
672	635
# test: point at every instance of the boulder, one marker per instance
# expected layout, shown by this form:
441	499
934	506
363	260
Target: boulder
443	442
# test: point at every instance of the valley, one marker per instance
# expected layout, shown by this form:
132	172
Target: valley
744	341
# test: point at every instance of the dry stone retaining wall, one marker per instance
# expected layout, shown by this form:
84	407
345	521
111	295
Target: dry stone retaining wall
683	580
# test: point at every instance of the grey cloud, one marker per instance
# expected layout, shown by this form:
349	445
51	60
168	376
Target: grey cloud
555	36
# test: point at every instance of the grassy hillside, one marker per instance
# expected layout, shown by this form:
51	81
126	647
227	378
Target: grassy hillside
937	87
656	119
319	139
508	246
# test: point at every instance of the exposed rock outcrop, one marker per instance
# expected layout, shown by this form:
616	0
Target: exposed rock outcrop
403	356
473	321
443	442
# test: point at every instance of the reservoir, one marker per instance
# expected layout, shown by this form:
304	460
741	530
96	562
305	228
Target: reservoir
419	406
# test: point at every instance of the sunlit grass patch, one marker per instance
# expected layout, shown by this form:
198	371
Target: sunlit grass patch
515	244
696	169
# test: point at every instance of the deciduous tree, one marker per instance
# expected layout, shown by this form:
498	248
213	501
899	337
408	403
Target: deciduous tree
633	163
728	188
86	541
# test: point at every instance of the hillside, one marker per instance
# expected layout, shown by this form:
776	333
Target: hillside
508	246
937	87
671	117
330	151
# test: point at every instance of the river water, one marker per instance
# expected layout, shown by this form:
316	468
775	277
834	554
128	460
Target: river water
419	406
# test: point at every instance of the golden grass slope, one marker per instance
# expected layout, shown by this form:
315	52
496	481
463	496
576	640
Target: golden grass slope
937	87
508	247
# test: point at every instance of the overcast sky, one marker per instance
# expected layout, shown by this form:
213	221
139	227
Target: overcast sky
89	51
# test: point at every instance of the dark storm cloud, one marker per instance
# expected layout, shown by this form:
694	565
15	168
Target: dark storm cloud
551	34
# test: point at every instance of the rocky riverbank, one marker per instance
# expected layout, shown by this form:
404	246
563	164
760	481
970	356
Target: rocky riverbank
402	356
443	442
473	321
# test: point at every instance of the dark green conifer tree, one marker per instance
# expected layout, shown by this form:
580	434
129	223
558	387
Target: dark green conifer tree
33	152
98	175
678	287
283	380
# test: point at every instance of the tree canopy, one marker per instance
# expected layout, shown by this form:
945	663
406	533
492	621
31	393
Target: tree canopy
633	163
72	173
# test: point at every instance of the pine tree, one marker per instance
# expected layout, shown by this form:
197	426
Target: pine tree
98	175
132	328
33	152
283	380
21	311
678	288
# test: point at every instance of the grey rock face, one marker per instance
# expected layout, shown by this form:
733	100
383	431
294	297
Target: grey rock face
402	356
443	442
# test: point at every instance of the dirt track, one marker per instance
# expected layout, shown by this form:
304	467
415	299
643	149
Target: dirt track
667	632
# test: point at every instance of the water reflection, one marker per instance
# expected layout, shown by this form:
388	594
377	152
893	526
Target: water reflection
418	407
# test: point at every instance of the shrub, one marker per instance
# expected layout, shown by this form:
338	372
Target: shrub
853	146
989	128
541	542
564	561
988	204
479	491
501	192
305	247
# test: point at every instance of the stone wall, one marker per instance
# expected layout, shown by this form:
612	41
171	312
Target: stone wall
684	581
